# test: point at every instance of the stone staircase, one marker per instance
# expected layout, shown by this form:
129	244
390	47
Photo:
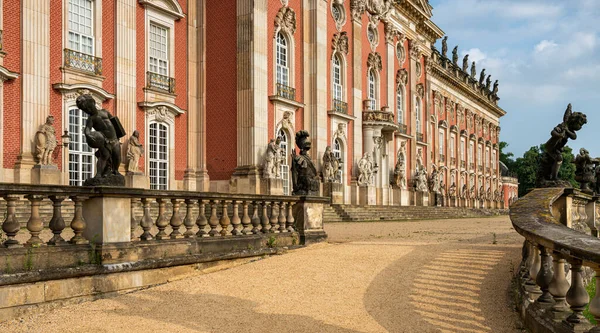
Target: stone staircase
347	213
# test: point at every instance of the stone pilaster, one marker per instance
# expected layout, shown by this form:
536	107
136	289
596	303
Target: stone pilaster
357	65
412	83
35	88
252	99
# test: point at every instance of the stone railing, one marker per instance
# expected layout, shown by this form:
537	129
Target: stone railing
145	228
160	82
557	224
82	61
420	137
340	106
378	116
402	128
286	92
442	158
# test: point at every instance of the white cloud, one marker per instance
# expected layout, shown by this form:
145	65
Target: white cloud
527	10
545	45
475	54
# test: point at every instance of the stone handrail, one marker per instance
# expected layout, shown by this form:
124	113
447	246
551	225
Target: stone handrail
549	302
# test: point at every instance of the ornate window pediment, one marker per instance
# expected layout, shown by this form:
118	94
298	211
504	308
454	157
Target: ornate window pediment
374	61
72	91
339	43
402	77
169	7
285	21
162	111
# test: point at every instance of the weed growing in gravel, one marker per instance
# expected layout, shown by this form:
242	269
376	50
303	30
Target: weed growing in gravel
494	240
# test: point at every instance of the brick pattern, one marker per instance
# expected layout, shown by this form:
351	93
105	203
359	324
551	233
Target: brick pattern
109	13
12	89
56	53
181	90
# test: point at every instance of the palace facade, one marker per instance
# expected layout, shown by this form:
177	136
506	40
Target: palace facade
208	83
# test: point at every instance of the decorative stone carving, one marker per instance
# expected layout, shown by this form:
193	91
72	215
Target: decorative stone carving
339	43
338	12
134	151
495	89
434	181
418	69
374	61
445	46
465	65
482	77
304	174
400	169
413	50
428	65
340	132
402	77
373	35
421	180
377	8
273	158
552	158
455	56
400	52
331	165
584	171
285	20
161	114
45	142
420	90
105	138
452	191
378	116
420	159
473	71
367	170
390	32
357	7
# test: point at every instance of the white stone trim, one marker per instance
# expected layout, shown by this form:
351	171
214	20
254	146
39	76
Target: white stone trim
72	91
6	74
169	8
159	18
291	47
158	115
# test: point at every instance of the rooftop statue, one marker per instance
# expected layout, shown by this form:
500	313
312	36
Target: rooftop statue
465	63
473	71
455	55
105	138
482	77
584	172
445	46
552	157
45	142
304	174
495	90
488	82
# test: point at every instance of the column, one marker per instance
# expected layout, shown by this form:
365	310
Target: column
35	91
356	66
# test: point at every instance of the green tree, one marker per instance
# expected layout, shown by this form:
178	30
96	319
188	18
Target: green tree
506	157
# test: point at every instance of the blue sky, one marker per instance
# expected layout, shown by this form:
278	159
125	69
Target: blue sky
545	53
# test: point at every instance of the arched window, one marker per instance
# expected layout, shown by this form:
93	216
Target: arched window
337	152
373	86
81	156
418	114
285	168
282	60
336	76
158	137
400	104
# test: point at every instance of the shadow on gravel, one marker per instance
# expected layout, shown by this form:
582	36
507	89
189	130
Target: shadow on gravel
215	313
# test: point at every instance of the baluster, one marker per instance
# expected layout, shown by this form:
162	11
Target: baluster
255	218
265	218
225	221
282	217
176	221
214	220
57	223
544	277
577	296
11	225
201	221
595	304
559	287
134	222
189	222
78	224
290	217
34	224
536	264
236	222
146	221
273	220
161	220
246	220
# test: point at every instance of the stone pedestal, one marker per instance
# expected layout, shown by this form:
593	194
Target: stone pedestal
367	195
46	174
271	186
108	220
308	215
335	192
354	193
400	197
136	180
452	202
421	198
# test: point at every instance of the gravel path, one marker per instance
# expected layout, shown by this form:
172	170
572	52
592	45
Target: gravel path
420	276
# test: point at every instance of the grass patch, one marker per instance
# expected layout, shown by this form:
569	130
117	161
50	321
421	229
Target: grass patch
591	289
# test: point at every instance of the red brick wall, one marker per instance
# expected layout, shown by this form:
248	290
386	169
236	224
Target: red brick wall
221	89
140	38
109	42
12	89
56	58
181	90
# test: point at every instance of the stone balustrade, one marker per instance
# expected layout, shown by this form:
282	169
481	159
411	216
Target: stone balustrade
559	252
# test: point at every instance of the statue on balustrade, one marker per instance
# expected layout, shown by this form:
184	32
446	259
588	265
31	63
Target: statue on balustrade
331	165
366	170
464	193
455	56
585	173
134	151
488	82
482	77
552	159
473	193
421	180
272	164
400	169
45	142
107	130
304	174
465	66
495	89
445	46
473	71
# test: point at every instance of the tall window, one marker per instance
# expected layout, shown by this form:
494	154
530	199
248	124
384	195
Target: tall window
285	168
441	142
463	148
81	30
418	113
282	60
471	153
479	155
81	156
337	78
487	157
452	146
159	156
494	160
159	49
373	89
337	152
400	105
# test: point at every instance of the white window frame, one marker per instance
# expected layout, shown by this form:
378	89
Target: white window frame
159	18
338	152
471	152
79	147
284	144
160	64
418	114
441	144
337	77
158	181
400	104
373	88
494	159
72	16
282	64
463	149
487	157
479	154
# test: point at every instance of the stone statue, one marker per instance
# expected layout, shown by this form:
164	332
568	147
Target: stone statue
495	90
304	174
473	71
434	181
472	192
455	55
420	159
584	172
134	151
331	165
488	82
366	169
421	181
45	142
400	169
482	77
445	46
464	193
105	138
452	191
271	168
481	194
465	63
552	159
